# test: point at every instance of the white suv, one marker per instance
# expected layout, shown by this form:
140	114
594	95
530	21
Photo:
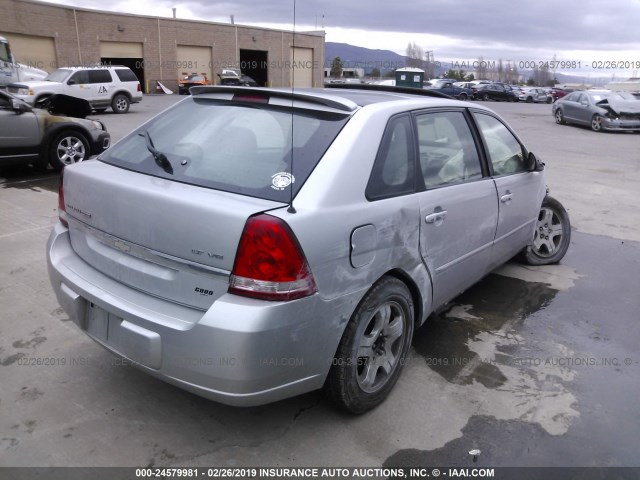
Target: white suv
101	86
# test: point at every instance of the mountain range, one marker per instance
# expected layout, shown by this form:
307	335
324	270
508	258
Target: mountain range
386	60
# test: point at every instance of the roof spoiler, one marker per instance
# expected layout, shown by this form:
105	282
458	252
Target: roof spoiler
319	99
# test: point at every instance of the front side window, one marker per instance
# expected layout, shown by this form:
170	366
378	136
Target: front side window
234	147
448	153
80	78
505	152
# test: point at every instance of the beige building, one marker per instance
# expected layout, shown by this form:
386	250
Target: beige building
49	36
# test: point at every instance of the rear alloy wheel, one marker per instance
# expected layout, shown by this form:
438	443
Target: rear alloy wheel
120	103
559	117
549	99
373	348
596	123
68	148
552	235
486	97
529	99
462	96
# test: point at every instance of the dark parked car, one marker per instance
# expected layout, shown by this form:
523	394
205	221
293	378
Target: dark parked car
59	135
235	77
602	111
495	91
448	88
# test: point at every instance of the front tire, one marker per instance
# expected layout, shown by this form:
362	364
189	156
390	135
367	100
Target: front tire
68	148
120	103
373	348
559	117
596	123
462	96
486	97
552	235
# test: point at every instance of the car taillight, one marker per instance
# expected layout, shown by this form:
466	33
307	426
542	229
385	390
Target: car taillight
62	211
139	87
270	264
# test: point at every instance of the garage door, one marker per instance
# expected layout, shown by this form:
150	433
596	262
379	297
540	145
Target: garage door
193	59
34	51
120	50
302	63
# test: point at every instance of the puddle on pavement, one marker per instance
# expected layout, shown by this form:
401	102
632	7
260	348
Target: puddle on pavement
490	348
498	306
500	442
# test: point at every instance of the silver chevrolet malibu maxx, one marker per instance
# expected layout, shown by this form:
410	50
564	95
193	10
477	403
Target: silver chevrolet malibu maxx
252	244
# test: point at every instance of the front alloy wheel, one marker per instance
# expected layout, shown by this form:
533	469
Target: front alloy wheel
559	117
67	149
552	235
596	123
373	348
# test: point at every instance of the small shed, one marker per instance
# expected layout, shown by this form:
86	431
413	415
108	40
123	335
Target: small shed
409	77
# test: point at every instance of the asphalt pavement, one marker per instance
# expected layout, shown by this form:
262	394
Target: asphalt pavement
532	366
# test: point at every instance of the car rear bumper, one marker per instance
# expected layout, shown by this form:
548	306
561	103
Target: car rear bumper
240	352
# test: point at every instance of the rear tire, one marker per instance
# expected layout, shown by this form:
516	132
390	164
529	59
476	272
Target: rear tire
373	348
120	103
529	99
552	235
486	97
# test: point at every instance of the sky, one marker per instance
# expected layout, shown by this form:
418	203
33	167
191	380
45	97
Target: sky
587	35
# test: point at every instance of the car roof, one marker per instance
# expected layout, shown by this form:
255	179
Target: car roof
344	99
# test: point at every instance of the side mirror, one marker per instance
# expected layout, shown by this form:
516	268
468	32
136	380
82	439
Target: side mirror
71	82
20	107
533	164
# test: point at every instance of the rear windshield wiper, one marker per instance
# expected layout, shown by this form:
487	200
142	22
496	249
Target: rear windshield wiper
161	159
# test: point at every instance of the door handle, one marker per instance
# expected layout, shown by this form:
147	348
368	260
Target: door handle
436	218
506	198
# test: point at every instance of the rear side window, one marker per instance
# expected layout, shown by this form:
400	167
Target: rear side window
393	171
99	76
126	75
238	148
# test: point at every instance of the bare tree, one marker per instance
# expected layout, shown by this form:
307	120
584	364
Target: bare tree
415	55
481	69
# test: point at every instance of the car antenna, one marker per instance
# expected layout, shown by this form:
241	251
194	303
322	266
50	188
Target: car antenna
291	208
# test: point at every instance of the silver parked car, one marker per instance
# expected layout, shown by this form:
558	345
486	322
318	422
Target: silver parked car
600	110
252	244
534	95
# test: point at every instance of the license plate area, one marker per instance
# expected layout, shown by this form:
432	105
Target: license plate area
138	344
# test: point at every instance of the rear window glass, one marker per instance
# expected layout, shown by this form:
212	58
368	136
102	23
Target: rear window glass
126	75
233	147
